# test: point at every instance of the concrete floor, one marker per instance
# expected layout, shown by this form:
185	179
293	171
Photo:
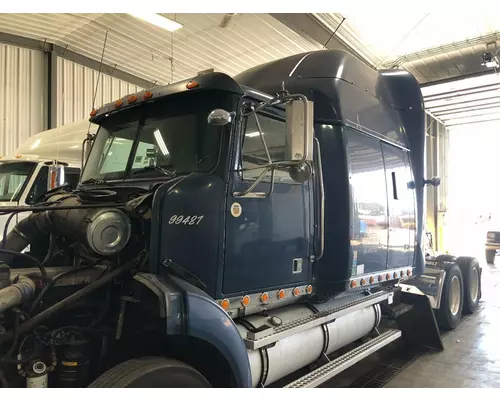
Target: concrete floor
472	352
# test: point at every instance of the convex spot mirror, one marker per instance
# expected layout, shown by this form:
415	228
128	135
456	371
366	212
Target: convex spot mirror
300	173
219	117
300	133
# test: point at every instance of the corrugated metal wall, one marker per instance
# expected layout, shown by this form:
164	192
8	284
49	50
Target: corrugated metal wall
437	148
23	96
76	86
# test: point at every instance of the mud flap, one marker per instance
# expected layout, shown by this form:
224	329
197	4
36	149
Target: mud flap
418	323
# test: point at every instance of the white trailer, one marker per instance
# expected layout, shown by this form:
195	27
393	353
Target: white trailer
28	172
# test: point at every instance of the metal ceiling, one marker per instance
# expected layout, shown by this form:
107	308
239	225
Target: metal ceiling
156	55
432	46
444	52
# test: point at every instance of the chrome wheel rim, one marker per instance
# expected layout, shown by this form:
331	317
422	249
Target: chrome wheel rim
474	284
454	295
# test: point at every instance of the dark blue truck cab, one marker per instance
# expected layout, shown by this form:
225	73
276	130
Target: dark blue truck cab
272	219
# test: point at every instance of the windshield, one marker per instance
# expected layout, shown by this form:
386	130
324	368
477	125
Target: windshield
13	177
168	137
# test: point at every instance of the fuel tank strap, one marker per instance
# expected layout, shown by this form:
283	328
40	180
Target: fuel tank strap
326	333
264	357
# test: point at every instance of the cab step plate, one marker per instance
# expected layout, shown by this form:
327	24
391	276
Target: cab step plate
335	367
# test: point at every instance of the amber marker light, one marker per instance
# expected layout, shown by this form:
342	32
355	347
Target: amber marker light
225	304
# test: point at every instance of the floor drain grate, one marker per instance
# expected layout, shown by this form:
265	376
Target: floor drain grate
382	373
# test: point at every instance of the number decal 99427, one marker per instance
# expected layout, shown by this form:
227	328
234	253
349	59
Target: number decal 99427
185	220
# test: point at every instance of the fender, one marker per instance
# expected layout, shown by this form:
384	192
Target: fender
189	309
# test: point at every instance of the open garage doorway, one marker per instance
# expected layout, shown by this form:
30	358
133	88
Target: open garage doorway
473	188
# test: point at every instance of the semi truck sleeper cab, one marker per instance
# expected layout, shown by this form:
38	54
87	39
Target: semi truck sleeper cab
234	231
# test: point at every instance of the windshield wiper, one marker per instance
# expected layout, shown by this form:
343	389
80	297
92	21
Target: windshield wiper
170	174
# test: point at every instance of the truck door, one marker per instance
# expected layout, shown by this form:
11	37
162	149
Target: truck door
267	238
401	206
369	202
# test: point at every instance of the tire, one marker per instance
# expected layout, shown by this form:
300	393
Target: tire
151	372
472	283
450	309
490	256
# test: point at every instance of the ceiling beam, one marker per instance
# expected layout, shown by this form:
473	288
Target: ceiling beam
462	92
448	125
465	109
70	55
469	114
444	106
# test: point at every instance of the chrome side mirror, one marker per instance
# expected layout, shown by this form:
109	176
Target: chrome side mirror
219	117
300	133
56	176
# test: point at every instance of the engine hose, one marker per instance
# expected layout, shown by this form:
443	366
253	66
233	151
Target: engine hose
6	227
3	381
50	252
55	279
15	333
26	256
17	209
49	312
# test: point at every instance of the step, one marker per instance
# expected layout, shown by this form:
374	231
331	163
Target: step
397	311
273	335
335	367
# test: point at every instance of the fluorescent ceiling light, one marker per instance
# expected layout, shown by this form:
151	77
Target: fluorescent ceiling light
491	64
159	20
252	134
161	143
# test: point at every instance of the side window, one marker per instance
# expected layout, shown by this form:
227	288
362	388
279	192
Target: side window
369	197
72	175
39	186
253	153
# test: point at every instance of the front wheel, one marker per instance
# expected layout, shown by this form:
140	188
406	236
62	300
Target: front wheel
450	309
490	256
156	372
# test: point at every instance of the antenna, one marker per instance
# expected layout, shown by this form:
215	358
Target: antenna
172	67
98	77
89	137
334	32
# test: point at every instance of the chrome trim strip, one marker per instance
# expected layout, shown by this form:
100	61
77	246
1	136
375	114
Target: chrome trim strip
236	309
297	65
322	206
401	273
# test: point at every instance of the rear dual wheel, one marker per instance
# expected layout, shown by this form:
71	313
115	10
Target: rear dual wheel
450	311
461	292
471	273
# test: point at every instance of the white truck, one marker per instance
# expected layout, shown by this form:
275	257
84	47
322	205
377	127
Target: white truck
30	171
